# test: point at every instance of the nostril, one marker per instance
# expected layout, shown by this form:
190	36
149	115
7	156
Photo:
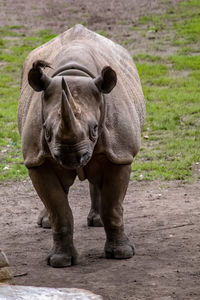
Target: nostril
83	157
56	156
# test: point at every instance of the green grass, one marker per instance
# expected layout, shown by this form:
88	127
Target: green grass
171	143
181	62
12	56
103	33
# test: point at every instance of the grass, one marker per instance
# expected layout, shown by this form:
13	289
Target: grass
171	143
103	33
12	56
181	62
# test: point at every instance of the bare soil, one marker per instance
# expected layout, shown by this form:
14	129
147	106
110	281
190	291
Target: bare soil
161	218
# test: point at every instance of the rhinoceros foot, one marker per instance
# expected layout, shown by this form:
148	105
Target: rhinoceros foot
62	260
43	219
94	219
119	249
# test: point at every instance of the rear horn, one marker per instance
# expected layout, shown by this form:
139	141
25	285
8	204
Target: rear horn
76	109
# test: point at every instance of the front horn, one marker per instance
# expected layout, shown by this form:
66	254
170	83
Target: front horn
38	80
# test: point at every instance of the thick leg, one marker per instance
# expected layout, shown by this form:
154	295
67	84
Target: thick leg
53	192
94	218
115	183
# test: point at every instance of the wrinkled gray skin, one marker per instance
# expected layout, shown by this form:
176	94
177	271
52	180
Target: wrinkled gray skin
82	117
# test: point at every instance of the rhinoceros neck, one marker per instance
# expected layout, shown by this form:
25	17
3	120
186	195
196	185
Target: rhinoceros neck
73	69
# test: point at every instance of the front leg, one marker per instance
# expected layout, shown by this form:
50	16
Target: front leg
54	194
114	187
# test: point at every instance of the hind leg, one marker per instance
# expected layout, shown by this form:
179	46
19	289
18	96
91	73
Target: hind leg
43	219
94	218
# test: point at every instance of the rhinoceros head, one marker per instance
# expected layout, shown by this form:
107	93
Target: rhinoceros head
72	109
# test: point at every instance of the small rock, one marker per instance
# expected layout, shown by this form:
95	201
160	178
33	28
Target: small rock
151	35
6	168
5	274
4	151
141	177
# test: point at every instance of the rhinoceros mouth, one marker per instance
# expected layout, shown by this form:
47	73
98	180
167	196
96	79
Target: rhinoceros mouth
72	156
75	164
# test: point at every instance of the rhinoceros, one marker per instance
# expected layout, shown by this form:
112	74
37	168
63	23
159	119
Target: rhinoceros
81	116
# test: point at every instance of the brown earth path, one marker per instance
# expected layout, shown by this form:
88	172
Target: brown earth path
161	218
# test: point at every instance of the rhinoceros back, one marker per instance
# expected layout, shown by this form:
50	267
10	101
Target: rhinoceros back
120	139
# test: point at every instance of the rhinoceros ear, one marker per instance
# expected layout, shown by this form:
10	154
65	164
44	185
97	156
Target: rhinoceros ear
36	78
106	81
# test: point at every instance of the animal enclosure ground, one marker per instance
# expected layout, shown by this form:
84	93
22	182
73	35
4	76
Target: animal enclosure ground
162	218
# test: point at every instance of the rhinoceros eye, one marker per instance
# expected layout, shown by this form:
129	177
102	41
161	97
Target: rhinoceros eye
93	132
47	133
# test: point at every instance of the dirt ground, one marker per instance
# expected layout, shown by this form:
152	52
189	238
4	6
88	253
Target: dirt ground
162	218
